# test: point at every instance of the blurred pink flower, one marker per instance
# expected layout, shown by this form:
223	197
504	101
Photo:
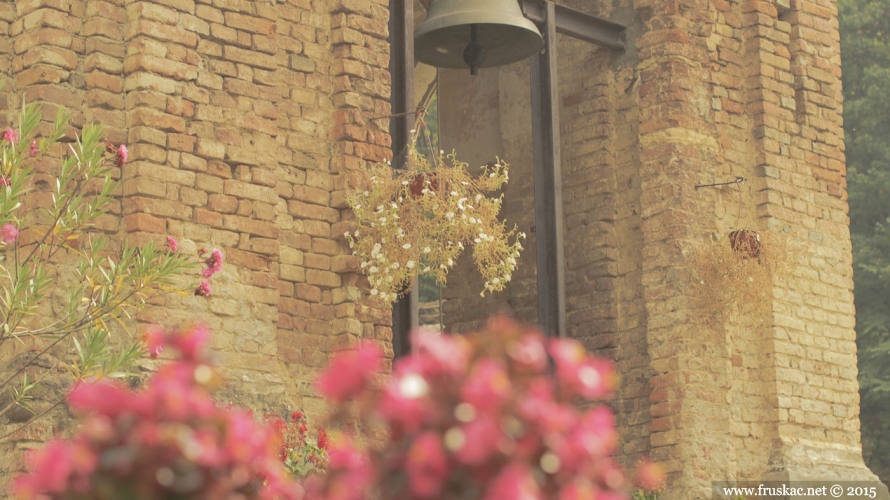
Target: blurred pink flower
8	233
481	437
566	352
348	372
191	341
172	244
4	181
594	436
595	378
122	155
353	470
55	461
173	424
11	136
427	465
103	397
203	289
442	354
155	338
515	481
578	489
33	149
529	352
487	386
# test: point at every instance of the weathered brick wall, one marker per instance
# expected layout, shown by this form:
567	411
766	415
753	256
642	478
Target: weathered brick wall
243	120
706	91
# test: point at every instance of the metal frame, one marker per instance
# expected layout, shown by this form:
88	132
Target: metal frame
548	182
404	313
575	23
551	19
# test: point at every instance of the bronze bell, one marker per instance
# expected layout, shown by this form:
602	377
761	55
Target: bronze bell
475	34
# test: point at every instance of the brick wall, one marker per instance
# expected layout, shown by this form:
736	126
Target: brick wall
706	91
243	120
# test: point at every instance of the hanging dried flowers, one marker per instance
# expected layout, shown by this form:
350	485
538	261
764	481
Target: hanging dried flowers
417	220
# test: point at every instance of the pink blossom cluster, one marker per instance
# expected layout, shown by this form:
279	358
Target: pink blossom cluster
478	416
169	440
213	263
8	233
11	135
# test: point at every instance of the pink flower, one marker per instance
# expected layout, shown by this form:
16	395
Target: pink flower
33	149
442	354
104	398
52	467
4	181
594	378
203	289
122	155
349	372
11	135
155	338
515	481
579	489
214	263
190	342
297	415
566	352
172	244
404	402
481	437
427	465
594	436
487	386
529	352
355	472
8	233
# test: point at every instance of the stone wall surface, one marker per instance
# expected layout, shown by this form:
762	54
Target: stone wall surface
245	118
706	91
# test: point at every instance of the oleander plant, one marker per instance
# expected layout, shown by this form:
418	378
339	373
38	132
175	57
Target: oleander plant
479	416
169	441
66	293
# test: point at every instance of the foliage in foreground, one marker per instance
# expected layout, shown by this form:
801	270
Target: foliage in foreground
476	416
169	441
64	292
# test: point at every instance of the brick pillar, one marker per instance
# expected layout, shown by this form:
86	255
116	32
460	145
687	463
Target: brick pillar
360	134
689	358
801	161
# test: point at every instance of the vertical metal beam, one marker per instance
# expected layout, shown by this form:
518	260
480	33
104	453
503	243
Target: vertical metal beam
401	29
548	183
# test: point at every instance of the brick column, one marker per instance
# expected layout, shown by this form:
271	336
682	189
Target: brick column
360	97
689	411
799	140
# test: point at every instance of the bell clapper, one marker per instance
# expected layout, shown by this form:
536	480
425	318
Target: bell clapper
473	54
